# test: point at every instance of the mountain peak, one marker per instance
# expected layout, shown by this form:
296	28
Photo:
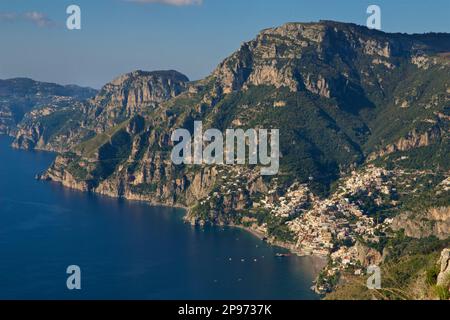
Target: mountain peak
159	75
289	55
134	92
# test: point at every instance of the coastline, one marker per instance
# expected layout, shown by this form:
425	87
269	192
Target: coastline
281	245
317	262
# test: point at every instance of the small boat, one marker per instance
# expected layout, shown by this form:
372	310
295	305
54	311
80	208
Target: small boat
283	255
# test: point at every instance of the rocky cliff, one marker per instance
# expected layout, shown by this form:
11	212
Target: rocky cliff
60	129
135	93
444	272
432	222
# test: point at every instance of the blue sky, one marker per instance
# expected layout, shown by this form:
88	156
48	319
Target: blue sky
191	36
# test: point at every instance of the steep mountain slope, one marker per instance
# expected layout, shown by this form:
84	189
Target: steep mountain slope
21	95
363	118
59	129
344	80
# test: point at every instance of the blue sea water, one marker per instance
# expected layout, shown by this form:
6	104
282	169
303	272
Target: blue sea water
126	250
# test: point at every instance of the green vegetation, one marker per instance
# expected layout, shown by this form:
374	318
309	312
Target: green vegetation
90	147
145	188
111	154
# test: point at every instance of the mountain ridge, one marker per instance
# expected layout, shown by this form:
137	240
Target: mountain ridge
118	100
18	96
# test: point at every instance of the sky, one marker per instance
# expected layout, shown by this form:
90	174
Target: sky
191	36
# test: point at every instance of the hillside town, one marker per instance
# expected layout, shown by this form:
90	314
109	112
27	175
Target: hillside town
319	224
340	228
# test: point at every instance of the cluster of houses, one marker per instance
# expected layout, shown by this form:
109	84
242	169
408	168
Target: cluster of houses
291	204
372	180
322	226
329	227
328	223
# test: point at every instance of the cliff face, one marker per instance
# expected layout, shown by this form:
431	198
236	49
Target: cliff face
286	57
432	222
134	93
444	274
157	182
60	129
413	140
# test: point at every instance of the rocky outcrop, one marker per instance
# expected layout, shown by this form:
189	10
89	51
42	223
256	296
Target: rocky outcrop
368	256
133	93
281	57
433	222
320	87
29	138
57	172
411	141
59	129
443	278
157	182
271	60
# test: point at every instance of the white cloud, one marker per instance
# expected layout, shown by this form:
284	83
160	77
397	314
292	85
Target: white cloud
172	2
37	18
